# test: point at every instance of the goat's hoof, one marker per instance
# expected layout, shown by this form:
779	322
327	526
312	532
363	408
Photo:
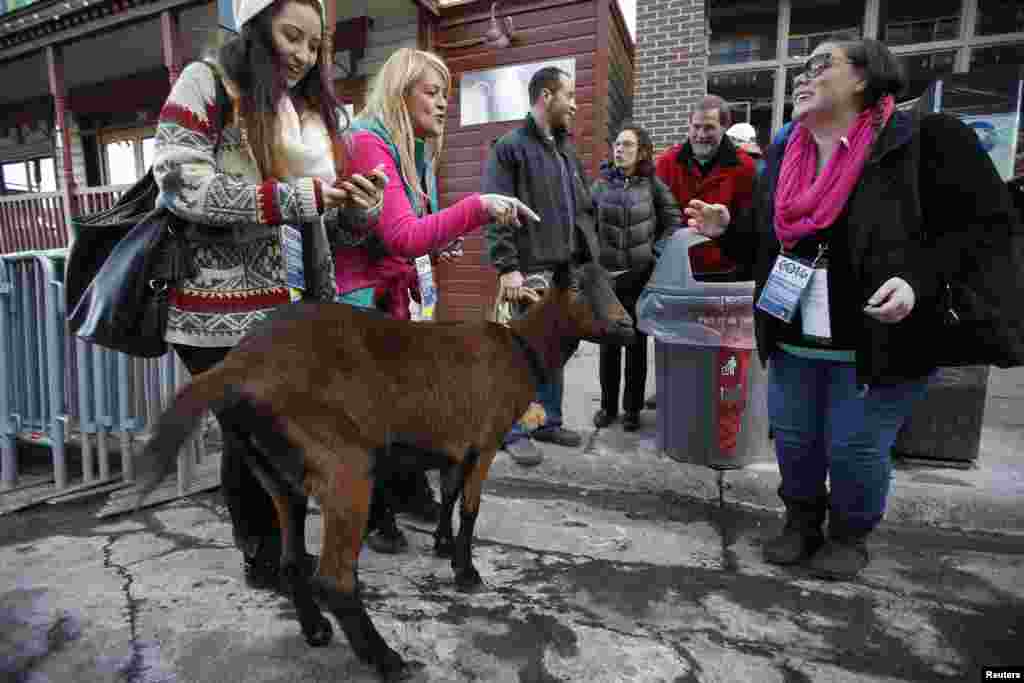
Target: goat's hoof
468	579
444	547
396	669
319	632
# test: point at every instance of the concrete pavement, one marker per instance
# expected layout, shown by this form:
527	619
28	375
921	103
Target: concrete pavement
580	586
989	496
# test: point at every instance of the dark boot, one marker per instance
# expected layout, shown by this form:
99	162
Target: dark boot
844	555
802	535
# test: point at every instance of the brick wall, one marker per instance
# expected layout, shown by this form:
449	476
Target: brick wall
671	56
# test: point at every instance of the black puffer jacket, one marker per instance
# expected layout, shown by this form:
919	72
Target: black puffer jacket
633	214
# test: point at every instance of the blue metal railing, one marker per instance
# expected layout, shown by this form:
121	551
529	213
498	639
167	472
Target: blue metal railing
55	388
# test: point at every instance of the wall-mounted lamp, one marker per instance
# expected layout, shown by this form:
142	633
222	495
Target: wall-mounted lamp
499	35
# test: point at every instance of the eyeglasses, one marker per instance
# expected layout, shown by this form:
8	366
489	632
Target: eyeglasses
817	65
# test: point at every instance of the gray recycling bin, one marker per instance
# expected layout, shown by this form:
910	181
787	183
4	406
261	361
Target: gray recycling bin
711	385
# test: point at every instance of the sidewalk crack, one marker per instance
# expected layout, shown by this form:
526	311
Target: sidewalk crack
134	670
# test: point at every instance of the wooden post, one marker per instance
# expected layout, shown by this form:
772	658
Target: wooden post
58	89
170	30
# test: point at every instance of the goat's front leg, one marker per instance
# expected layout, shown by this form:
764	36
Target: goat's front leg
466	575
453	479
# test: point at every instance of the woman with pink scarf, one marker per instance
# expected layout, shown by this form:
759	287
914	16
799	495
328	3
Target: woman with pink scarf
847	298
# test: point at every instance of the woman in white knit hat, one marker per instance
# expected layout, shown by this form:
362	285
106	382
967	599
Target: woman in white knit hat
264	197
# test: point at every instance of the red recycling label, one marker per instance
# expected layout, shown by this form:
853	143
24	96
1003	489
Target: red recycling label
733	373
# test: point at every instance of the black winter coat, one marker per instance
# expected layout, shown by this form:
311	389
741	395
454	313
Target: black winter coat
523	164
633	214
926	178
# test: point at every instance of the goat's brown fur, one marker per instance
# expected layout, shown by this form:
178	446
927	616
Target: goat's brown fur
329	391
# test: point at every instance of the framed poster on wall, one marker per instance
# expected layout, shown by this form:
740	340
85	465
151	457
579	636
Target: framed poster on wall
500	94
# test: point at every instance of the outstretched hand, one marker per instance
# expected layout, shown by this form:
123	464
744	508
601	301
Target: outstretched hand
709	220
507	210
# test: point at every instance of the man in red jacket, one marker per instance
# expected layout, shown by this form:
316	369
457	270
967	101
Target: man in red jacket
708	167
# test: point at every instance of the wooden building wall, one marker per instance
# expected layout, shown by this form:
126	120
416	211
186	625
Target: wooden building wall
587	30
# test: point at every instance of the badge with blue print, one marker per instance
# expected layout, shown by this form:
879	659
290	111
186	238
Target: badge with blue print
786	286
291	251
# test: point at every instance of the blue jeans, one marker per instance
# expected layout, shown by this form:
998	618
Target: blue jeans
550	396
827	425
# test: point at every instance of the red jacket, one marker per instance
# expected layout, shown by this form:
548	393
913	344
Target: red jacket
730	182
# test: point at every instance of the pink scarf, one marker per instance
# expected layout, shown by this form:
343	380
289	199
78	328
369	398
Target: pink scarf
805	204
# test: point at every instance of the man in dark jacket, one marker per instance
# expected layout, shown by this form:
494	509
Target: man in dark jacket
707	165
538	164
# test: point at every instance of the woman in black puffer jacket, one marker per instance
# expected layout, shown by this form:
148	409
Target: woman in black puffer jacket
635	212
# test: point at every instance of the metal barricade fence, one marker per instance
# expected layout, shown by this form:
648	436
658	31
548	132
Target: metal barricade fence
55	387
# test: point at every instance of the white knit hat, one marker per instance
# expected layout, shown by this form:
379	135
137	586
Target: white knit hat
742	132
245	10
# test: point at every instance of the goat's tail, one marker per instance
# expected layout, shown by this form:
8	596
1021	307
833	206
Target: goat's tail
207	391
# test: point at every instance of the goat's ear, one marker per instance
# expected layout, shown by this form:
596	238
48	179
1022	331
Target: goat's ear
562	279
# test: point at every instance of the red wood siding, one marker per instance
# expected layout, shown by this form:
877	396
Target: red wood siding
544	29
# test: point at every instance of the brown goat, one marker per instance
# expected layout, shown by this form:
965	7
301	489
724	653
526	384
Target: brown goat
333	395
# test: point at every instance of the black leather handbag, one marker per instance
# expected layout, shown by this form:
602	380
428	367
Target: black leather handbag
123	262
124	308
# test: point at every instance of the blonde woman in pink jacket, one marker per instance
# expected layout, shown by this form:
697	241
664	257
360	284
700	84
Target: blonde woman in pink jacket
400	133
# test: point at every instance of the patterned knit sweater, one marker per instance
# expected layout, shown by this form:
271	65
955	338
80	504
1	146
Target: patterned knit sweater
237	247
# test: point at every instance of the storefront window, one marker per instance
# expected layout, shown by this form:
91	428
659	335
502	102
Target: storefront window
997	55
921	70
1000	16
812	23
37	175
904	23
749	95
742	31
121	167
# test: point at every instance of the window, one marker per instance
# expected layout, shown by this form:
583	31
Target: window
904	23
121	166
742	31
1000	16
997	55
749	95
37	175
126	155
921	70
812	23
